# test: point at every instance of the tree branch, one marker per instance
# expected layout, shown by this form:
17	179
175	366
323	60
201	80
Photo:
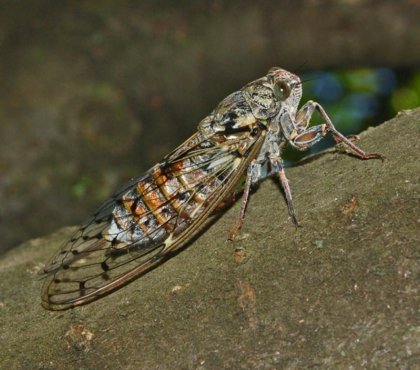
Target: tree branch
339	291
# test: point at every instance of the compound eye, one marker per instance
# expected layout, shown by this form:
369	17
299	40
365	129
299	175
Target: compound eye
282	90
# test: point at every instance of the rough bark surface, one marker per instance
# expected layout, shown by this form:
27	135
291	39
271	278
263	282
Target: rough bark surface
339	292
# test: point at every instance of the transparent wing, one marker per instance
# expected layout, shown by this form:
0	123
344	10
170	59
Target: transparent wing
124	239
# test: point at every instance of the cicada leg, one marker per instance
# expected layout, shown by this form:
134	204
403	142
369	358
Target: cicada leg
288	194
307	137
252	175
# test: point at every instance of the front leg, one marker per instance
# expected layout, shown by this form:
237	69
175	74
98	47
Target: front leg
303	137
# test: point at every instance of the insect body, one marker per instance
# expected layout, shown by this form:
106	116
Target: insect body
157	213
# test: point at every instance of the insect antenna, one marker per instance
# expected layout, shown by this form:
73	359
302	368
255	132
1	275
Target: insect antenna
299	69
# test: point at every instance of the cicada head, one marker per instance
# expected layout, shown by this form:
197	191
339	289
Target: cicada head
287	87
271	94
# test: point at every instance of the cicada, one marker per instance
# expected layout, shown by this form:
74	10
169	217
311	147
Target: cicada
156	214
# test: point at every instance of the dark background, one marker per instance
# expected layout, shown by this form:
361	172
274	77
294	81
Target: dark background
95	93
